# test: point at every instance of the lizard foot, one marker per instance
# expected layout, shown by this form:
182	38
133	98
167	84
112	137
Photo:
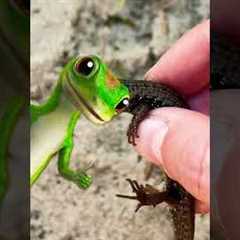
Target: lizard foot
82	180
138	116
132	133
146	195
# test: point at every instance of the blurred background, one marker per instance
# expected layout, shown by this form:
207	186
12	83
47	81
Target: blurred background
14	119
130	36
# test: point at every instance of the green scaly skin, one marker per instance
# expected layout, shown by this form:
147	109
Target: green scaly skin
96	93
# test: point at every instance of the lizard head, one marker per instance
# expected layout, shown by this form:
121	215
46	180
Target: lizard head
94	89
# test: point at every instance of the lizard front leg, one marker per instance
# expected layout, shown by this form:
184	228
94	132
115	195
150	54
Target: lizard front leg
79	177
140	112
181	202
148	195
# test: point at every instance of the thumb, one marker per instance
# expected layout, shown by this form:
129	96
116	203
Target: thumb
178	140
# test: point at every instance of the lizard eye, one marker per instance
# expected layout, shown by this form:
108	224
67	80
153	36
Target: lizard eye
85	66
122	105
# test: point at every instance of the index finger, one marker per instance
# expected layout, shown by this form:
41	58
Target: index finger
185	66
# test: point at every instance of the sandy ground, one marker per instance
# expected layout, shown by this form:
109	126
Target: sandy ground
64	28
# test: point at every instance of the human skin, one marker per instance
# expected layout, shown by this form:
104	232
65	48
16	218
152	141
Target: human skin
177	139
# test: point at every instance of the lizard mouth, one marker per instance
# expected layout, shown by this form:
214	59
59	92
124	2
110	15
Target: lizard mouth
80	102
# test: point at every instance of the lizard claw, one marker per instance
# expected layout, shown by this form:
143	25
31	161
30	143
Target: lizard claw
134	185
132	133
90	165
138	116
138	207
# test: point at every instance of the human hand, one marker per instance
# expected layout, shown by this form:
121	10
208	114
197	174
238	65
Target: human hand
178	139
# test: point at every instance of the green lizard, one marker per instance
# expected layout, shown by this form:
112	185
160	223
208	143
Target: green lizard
87	86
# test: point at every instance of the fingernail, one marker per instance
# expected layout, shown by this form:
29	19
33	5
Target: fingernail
152	133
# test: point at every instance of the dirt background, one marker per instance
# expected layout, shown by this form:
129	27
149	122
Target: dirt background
130	36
